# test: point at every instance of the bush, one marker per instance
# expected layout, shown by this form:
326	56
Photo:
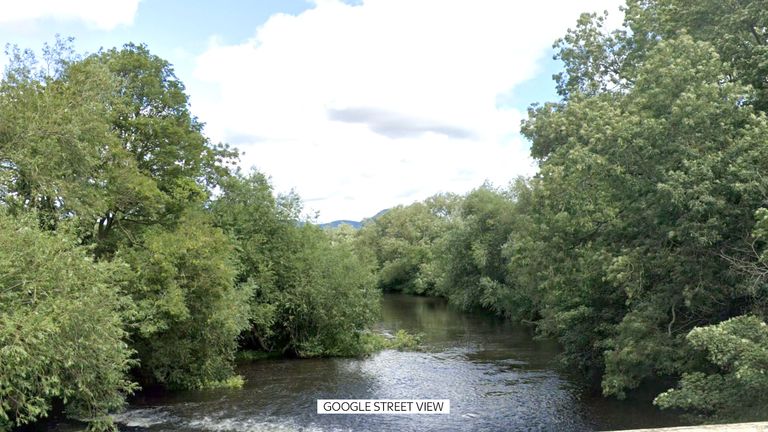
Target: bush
61	334
325	296
735	384
189	311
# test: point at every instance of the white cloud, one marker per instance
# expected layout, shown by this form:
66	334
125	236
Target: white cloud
102	14
364	107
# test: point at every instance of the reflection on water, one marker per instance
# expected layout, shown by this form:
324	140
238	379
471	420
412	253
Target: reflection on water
497	377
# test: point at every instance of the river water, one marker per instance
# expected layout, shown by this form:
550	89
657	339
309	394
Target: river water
497	377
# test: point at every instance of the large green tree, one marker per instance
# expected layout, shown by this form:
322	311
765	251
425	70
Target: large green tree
173	164
737	30
56	142
188	310
309	295
402	242
643	191
62	339
104	154
471	268
107	144
650	177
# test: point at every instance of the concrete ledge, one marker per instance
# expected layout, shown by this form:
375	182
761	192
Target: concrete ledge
732	427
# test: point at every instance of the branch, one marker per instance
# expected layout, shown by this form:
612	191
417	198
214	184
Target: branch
758	39
669	326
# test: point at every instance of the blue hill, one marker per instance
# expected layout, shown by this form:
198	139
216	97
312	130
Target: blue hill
353	224
338	223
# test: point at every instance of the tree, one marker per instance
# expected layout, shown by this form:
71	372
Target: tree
189	311
736	30
175	164
323	300
471	268
310	296
732	385
402	241
62	337
641	191
107	144
55	138
104	153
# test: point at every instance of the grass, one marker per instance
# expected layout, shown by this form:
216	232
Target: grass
233	382
401	341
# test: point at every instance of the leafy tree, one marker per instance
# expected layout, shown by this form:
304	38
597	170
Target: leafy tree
105	154
639	226
472	269
733	386
258	223
402	240
324	299
107	144
175	164
649	178
189	311
62	336
310	296
729	382
55	138
640	193
738	31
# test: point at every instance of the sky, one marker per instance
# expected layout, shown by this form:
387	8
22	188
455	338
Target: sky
356	105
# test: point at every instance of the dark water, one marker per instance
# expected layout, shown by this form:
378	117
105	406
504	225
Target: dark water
495	375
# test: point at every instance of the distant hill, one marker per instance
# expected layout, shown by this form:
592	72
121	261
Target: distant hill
338	223
377	215
353	224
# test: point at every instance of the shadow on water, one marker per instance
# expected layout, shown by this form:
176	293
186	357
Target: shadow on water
497	377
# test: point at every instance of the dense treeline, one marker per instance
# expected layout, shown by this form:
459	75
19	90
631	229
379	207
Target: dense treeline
121	267
641	243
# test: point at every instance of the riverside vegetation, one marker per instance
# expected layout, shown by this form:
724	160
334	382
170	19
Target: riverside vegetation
640	245
119	265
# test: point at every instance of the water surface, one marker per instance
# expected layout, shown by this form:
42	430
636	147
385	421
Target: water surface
497	377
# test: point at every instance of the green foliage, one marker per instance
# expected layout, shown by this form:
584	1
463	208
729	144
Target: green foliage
323	299
638	222
155	124
311	295
645	219
401	241
733	386
105	148
469	260
250	355
61	328
188	310
401	341
247	210
166	164
640	239
233	382
737	31
594	61
55	138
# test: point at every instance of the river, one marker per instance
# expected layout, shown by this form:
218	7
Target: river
497	377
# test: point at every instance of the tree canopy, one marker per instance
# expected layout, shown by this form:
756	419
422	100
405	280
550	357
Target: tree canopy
122	263
639	245
134	252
